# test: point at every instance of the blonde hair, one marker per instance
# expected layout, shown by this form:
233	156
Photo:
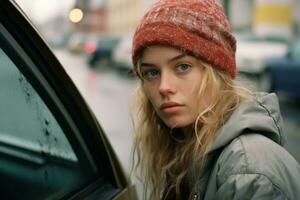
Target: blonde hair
160	156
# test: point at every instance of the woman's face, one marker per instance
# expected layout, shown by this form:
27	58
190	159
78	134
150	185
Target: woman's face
171	81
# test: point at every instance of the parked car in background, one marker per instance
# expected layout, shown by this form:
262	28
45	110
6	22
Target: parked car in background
285	71
51	145
77	42
100	50
122	53
251	54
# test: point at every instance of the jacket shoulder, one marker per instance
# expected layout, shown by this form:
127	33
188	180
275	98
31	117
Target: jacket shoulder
257	154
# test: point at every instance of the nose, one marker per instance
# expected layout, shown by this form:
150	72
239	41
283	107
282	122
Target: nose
166	86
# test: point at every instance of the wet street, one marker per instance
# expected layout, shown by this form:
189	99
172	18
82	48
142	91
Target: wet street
109	96
109	93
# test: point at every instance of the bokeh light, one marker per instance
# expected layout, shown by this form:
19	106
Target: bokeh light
76	15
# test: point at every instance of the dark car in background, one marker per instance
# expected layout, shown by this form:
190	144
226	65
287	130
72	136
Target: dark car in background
51	145
101	50
284	71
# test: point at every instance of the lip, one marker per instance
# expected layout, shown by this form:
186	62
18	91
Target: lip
169	106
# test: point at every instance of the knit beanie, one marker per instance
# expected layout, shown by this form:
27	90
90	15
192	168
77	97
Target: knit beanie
198	27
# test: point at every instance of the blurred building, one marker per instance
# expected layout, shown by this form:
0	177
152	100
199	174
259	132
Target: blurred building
274	18
124	15
265	18
239	13
94	16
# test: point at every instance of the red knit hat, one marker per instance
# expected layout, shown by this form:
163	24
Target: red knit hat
199	27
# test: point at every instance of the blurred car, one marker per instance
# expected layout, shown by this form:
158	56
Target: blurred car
285	71
51	145
100	50
122	53
251	53
77	42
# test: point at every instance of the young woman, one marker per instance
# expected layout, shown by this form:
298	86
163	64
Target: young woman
199	135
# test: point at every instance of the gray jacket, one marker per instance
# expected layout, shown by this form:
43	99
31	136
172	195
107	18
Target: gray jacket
247	160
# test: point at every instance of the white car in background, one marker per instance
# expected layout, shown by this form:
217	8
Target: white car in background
251	54
122	53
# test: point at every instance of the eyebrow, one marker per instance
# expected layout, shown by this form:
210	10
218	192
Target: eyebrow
170	60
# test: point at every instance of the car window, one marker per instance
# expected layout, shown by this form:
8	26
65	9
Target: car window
36	158
26	122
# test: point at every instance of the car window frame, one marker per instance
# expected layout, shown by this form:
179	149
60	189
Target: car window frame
59	93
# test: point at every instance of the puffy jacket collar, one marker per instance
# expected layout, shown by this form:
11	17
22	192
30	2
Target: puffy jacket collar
259	116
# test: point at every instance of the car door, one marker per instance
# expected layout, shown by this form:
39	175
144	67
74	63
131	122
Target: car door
51	145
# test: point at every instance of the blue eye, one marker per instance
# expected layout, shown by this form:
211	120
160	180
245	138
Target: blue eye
150	74
183	67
